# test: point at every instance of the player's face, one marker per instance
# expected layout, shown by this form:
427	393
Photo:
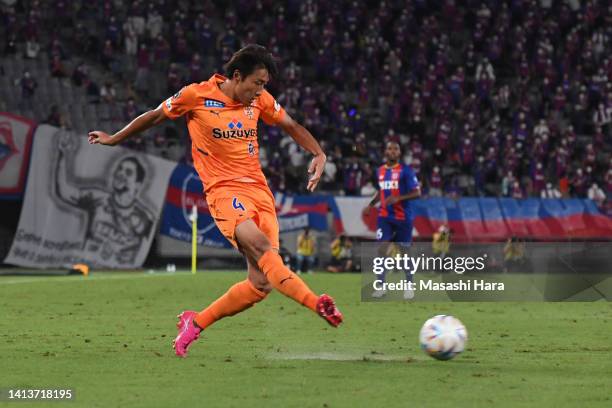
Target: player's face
125	177
392	152
250	87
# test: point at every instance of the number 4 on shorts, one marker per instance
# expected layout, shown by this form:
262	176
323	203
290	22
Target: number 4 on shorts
237	204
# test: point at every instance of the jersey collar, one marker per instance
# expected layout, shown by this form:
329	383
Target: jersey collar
392	167
215	81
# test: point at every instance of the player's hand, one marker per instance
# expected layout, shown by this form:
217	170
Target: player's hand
99	137
391	200
317	165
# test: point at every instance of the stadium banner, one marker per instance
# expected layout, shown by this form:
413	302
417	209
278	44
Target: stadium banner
491	272
350	219
15	143
88	204
297	212
484	219
184	191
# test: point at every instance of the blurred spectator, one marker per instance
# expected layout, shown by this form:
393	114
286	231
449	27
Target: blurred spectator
32	48
56	67
342	254
305	251
79	75
131	40
507	184
28	88
550	192
579	184
597	195
130	111
10	47
435	183
108	93
141	83
440	243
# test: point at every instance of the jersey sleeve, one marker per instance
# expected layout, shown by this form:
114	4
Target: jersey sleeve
271	111
181	102
410	180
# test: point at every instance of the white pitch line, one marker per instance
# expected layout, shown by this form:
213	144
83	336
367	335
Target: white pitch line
327	356
85	279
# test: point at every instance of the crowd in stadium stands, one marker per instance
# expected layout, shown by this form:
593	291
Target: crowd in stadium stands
504	98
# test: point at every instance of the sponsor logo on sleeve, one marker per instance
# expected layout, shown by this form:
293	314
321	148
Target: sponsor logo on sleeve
169	104
277	106
213	103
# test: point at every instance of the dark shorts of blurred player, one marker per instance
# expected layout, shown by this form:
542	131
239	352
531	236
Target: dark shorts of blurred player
392	230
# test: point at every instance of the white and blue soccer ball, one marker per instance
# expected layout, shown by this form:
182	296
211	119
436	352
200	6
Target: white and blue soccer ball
443	337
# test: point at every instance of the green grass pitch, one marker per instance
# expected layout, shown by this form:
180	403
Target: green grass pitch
109	337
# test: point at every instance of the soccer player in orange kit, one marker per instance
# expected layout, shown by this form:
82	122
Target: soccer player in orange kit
222	115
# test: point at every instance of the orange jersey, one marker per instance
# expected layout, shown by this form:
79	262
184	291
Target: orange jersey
223	131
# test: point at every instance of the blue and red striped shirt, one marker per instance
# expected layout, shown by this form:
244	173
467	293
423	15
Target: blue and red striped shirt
395	181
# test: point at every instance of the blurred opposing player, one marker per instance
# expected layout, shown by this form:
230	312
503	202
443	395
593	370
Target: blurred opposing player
397	185
222	115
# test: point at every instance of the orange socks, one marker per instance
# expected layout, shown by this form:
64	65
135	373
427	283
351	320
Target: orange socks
285	281
243	295
239	297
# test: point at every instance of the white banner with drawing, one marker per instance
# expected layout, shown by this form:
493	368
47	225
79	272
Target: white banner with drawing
86	203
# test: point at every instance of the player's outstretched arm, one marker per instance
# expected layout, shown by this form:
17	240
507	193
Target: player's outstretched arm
305	139
140	124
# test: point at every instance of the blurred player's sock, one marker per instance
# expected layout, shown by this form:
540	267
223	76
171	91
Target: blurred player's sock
379	293
408	293
239	297
285	281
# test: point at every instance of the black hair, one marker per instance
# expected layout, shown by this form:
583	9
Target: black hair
394	142
248	59
140	170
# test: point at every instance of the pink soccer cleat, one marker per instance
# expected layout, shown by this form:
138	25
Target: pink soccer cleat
326	308
187	333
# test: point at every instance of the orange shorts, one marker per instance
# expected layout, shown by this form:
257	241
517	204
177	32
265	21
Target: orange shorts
233	202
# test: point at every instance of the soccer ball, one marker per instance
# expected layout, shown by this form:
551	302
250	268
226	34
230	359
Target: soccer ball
443	337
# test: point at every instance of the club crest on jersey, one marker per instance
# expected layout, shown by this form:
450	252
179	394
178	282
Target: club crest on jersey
213	103
235	123
248	111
